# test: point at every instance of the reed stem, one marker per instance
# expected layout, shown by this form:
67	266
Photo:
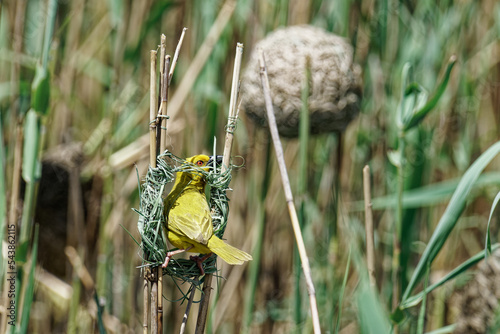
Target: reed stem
370	248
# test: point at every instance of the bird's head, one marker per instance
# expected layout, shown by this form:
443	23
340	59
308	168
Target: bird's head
205	162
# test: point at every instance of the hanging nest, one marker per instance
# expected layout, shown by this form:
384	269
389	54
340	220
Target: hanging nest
479	299
151	220
335	87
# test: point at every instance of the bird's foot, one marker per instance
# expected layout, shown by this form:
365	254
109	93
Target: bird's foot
199	261
167	259
170	254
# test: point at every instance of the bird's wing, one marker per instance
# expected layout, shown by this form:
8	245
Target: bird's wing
190	217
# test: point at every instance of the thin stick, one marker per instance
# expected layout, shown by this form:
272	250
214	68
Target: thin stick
231	123
153	104
288	193
79	267
160	299
370	248
176	55
164	68
164	103
162	58
188	307
154	301
152	162
152	111
146	304
203	310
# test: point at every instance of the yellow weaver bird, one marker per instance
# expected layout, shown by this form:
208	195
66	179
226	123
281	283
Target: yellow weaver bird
188	220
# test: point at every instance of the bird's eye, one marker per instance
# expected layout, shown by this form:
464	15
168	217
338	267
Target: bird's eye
200	162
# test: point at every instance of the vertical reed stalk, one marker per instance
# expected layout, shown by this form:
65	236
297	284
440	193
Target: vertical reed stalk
176	55
153	104
163	91
370	248
164	103
228	144
288	194
396	260
396	254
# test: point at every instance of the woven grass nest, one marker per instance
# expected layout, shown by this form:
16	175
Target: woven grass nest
334	88
479	300
151	219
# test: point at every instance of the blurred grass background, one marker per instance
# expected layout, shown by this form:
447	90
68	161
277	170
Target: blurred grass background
96	83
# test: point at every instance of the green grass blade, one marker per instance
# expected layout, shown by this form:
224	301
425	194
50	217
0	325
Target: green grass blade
30	286
40	90
421	316
31	165
372	318
414	300
418	116
428	195
100	311
487	249
443	330
49	30
451	215
342	291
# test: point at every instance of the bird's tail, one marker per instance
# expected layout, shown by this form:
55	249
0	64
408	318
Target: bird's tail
228	253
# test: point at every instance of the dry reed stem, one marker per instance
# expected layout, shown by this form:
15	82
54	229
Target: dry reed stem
176	55
146	304
162	57
164	103
288	193
164	83
154	301
161	111
370	248
152	161
231	121
160	298
152	111
79	267
205	300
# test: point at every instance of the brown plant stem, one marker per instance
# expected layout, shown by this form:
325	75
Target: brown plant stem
370	248
152	161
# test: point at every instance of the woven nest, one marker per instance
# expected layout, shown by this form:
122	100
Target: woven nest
479	300
334	89
151	219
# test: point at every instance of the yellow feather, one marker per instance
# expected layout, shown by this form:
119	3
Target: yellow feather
189	223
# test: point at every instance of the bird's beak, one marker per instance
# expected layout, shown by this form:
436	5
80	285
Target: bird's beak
218	160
